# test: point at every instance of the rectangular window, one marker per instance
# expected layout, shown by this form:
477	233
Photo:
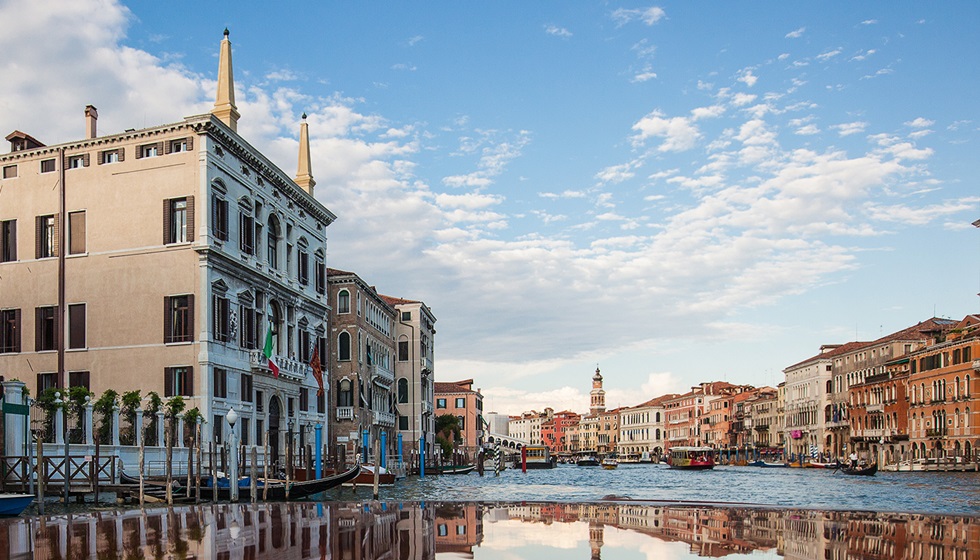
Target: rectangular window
79	379
47	166
246	226
321	403
403	423
178	146
304	268
111	156
440	403
245	421
406	315
76	326
290	406
221	318
46	236
461	402
219	423
304	399
149	150
46	381
8	240
76	232
321	277
246	388
178	323
219	217
9	330
402	350
220	383
76	162
247	321
177	381
259	432
178	220
9	171
45	329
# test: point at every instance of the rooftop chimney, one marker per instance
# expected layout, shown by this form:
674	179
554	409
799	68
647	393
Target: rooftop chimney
91	117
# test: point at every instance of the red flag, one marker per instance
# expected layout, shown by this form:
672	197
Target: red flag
317	370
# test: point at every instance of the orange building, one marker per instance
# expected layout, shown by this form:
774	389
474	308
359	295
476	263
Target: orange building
944	394
459	399
555	432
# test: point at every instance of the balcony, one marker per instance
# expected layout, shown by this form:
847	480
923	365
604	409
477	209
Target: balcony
345	413
386	419
976	365
426	407
935	433
425	364
875	408
288	368
761	427
381	375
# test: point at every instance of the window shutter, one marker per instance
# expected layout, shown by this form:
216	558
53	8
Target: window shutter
168	146
57	235
189	335
168	382
190	218
38	234
17	337
122	154
12	241
37	329
139	152
167	234
168	326
190	143
86	159
189	381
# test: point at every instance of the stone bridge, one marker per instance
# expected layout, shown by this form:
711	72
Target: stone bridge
507	443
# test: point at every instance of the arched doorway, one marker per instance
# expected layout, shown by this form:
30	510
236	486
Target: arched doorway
275	411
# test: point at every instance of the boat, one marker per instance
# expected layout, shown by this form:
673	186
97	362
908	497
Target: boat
823	465
274	490
610	463
535	457
366	476
588	461
691	458
768	465
14	504
453	469
861	470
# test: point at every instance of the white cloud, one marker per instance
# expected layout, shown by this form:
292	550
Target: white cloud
618	173
920	122
747	77
644	76
414	40
825	56
795	34
743	99
864	55
847	129
709	112
808	130
648	16
556	31
678	132
869	22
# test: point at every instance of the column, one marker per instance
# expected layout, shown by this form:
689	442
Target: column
59	421
16	424
161	441
89	436
138	429
115	424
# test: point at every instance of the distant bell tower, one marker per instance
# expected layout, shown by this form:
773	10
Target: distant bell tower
598	396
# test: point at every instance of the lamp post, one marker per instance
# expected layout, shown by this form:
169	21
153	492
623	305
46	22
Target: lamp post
232	417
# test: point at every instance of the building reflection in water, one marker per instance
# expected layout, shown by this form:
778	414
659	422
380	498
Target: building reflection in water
413	531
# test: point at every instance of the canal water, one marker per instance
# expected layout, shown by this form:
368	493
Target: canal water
633	512
433	530
825	489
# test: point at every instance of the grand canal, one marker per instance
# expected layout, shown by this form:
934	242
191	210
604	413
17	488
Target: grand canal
636	511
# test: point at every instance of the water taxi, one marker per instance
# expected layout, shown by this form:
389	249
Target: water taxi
536	457
691	458
610	463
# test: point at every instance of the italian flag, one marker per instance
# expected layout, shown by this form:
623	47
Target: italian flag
268	353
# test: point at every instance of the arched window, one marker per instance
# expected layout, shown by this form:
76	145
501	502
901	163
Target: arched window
272	247
343	347
343	301
403	390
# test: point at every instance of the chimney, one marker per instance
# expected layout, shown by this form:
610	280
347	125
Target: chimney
91	117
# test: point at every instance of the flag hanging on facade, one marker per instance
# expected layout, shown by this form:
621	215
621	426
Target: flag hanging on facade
317	370
267	351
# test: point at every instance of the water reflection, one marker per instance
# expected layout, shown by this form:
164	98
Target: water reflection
413	531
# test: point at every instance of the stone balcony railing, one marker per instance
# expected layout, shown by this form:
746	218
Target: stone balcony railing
875	407
293	369
345	413
426	407
385	419
381	375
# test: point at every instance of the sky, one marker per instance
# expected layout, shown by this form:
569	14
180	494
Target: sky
674	193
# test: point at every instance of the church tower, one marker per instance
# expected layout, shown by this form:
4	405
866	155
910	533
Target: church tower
597	404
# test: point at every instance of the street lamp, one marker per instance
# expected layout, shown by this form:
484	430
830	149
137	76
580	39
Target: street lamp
232	417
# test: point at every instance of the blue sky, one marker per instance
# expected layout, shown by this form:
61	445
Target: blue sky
677	192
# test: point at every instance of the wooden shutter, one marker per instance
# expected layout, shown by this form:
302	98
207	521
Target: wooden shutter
168	320
86	159
189	381
76	232
167	234
190	218
57	235
168	382
17	337
190	143
122	154
189	335
38	235
11	240
76	325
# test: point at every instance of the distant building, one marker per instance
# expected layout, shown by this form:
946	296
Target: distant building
528	426
460	400
414	372
642	429
555	432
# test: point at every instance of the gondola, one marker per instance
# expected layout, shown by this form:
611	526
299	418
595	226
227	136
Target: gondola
867	470
451	469
277	490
